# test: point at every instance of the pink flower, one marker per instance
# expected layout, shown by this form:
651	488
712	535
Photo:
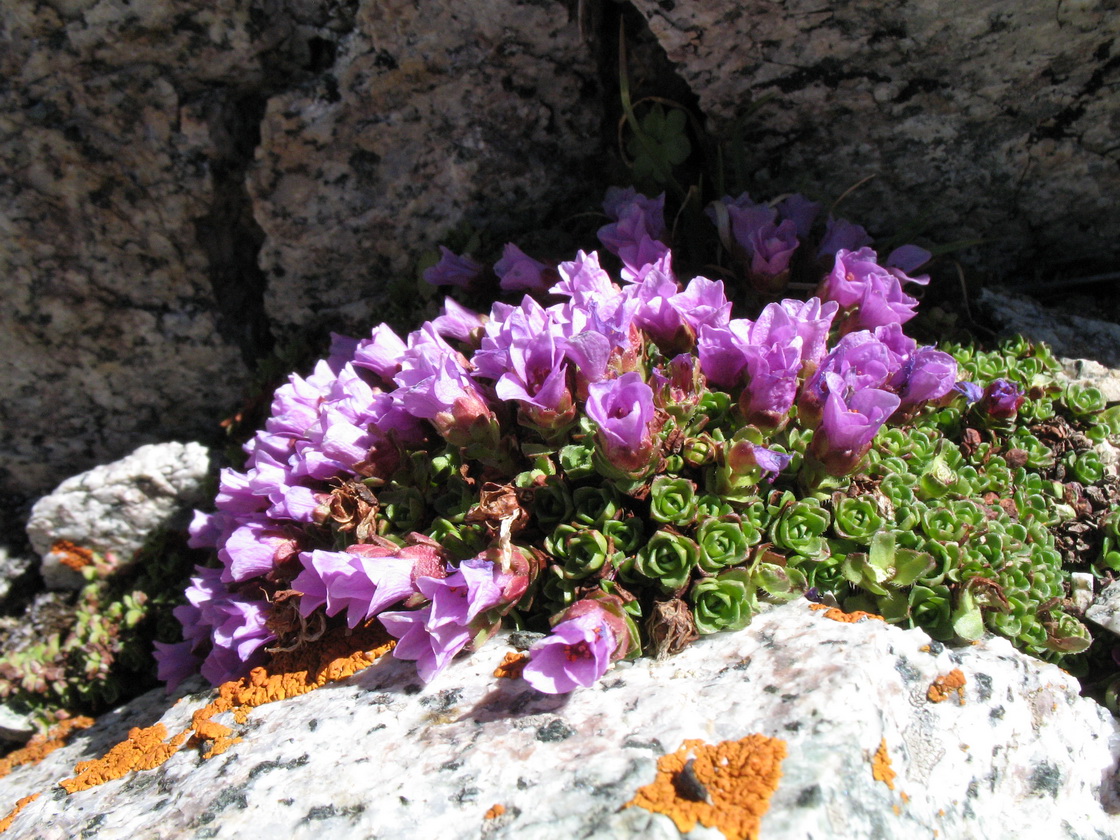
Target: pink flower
577	653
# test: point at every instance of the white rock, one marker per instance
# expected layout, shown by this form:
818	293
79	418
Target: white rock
381	755
1106	609
117	507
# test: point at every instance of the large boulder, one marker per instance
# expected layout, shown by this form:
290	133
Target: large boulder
876	731
995	123
134	305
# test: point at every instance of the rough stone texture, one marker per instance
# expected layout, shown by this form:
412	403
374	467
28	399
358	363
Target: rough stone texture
995	123
119	506
1091	348
129	252
1105	611
1023	756
432	113
13	565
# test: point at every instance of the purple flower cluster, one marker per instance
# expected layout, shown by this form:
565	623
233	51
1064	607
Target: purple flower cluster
581	364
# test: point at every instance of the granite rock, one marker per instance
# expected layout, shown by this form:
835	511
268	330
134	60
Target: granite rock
432	114
1014	753
135	301
1105	611
1090	348
117	507
996	124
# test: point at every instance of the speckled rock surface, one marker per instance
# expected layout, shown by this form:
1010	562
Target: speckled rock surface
994	122
118	506
1105	611
134	295
432	113
1016	753
1090	347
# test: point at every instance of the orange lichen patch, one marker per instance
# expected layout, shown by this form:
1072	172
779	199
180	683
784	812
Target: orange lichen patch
495	811
40	746
946	685
837	614
881	766
336	656
145	749
511	666
72	556
726	786
6	823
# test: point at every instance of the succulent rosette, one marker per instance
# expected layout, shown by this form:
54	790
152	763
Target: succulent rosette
617	459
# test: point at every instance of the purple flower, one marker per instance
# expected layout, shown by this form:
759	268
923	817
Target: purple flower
702	304
576	654
771	246
457	321
623	409
538	380
928	374
362	585
857	362
584	281
254	549
639	226
519	272
848	425
431	646
381	353
873	294
175	662
744	457
475	587
840	234
771	385
801	211
909	258
970	390
782	322
434	385
453	270
1001	399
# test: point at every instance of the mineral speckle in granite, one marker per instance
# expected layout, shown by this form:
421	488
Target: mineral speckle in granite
971	125
117	507
1028	758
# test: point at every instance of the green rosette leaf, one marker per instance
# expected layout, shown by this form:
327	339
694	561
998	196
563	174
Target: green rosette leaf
1083	401
724	602
404	507
1086	466
577	461
800	528
552	504
710	506
669	559
586	552
967	620
592	506
856	518
943	524
725	542
1067	635
672	501
931	609
628	534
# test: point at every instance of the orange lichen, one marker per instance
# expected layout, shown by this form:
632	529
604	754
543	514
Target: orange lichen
72	556
511	666
946	685
837	614
881	766
737	779
145	749
6	823
40	746
290	674
495	811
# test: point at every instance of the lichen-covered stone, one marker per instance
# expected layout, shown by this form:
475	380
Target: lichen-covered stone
994	124
117	507
1012	751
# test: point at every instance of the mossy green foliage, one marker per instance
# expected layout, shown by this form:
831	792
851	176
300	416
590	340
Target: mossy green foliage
92	649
